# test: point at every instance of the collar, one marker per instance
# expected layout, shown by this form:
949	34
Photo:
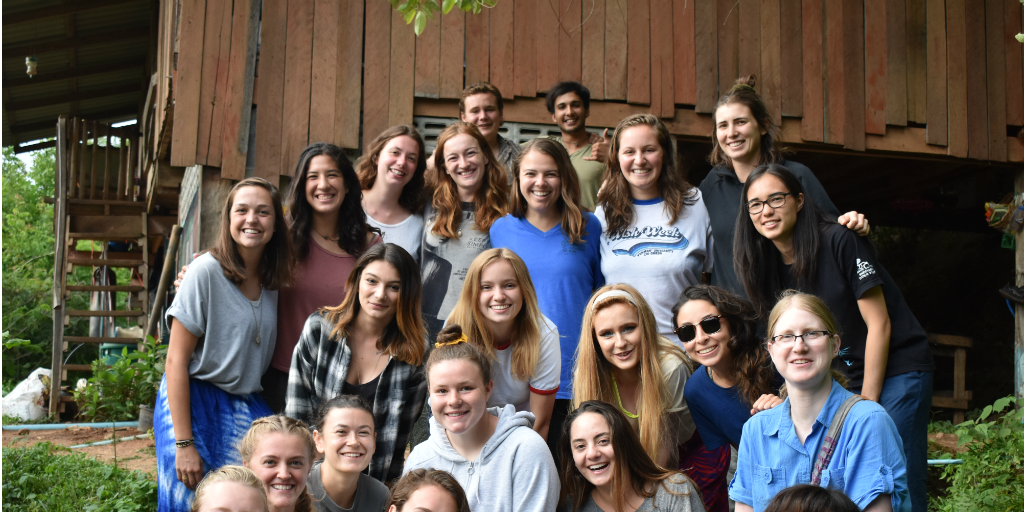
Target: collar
835	399
644	202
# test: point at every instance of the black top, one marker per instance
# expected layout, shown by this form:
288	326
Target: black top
366	391
722	192
847	268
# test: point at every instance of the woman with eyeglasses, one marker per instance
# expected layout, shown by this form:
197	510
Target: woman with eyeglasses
788	243
822	434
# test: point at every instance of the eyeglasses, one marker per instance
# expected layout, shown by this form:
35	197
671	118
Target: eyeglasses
709	325
775	201
809	337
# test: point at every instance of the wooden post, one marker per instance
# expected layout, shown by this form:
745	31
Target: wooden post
1018	319
59	208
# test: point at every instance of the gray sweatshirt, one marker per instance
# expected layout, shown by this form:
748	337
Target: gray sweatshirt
514	472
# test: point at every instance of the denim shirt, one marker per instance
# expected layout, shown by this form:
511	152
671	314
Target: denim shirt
868	459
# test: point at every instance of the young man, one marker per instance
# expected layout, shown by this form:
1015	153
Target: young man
569	105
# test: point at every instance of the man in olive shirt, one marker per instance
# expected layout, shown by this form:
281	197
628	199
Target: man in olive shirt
569	105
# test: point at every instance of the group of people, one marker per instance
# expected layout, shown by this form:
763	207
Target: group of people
545	310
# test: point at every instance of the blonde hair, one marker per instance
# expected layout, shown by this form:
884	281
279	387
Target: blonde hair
285	425
237	474
526	330
590	377
790	299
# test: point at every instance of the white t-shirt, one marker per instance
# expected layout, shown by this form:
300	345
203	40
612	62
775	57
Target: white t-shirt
657	258
406	234
546	375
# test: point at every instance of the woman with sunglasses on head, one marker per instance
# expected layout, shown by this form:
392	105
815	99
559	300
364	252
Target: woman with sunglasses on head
371	345
223	325
391	176
822	434
746	136
559	242
605	468
786	242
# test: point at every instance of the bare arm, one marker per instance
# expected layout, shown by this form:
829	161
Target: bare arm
743	507
542	406
876	349
186	460
881	503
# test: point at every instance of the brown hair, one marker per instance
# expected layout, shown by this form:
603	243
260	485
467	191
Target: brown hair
271	424
573	225
811	498
772	150
237	474
480	88
412	197
450	348
615	197
402	490
275	269
491	198
790	299
342	402
404	336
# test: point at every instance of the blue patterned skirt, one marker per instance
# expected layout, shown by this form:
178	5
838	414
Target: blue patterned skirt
219	421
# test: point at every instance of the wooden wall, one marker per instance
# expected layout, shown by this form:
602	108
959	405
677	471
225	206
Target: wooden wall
919	76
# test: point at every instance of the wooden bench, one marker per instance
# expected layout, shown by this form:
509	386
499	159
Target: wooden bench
945	345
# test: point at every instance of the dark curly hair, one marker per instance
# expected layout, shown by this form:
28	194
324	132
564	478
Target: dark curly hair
565	88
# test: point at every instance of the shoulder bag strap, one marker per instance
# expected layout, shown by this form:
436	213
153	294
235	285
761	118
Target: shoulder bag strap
827	445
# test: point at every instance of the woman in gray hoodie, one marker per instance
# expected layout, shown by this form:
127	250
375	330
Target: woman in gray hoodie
493	453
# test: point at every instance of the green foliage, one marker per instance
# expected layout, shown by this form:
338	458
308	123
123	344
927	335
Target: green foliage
51	478
115	393
992	475
419	11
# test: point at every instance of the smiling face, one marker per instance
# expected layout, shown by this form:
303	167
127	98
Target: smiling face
465	162
592	450
738	133
803	365
711	350
501	297
570	115
429	498
232	497
325	187
618	332
348	440
539	181
396	163
458	394
640	160
775	224
379	289
482	110
252	218
282	462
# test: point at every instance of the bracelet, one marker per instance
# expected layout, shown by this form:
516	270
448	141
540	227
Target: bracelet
184	443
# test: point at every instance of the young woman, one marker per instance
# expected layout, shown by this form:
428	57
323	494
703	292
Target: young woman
280	451
656	235
746	136
428	490
470	195
223	326
345	434
718	330
498	306
230	489
494	454
786	242
605	468
391	176
782	447
559	242
371	345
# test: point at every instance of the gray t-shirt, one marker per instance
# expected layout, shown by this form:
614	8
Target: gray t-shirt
677	494
371	495
407	234
214	309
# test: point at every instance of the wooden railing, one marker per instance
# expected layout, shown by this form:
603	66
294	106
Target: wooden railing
100	162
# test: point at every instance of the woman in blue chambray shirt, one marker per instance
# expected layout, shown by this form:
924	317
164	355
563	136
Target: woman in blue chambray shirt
780	446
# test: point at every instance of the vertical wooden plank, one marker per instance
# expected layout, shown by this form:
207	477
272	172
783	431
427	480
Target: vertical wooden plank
297	70
896	62
186	96
1014	65
244	38
748	52
403	67
95	159
638	42
106	160
874	66
728	44
376	68
124	167
977	82
917	51
478	28
349	92
83	133
615	49
502	53
683	55
956	68
569	36
73	162
853	59
835	77
705	27
208	78
524	80
453	46
996	56
270	96
428	59
661	57
791	43
936	132
213	156
771	57
592	75
323	75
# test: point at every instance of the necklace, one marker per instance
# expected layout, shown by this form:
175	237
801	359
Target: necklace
615	386
325	236
259	324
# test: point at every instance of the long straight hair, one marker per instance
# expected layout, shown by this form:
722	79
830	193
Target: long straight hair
405	336
755	257
569	193
591	376
772	150
634	467
412	196
491	198
275	269
526	331
261	427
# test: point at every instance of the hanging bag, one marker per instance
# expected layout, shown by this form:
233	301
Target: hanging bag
825	454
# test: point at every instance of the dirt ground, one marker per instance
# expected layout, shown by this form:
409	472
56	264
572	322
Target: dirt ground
138	454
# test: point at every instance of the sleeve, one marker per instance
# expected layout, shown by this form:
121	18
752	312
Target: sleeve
301	399
535	486
740	486
710	434
594	248
192	300
874	462
678	421
856	260
814	189
709	260
547	374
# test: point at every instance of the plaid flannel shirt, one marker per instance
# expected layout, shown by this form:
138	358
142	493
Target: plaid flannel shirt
319	367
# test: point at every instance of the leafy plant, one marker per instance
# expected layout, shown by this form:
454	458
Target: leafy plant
115	393
992	474
419	11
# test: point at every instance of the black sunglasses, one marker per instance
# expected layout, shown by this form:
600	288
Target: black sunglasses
709	325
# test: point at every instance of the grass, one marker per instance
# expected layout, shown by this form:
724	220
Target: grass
46	477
